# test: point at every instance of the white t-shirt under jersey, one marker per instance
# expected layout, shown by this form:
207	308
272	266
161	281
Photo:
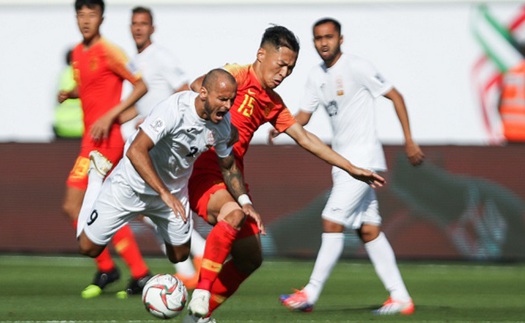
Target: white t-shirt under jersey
162	73
180	136
348	91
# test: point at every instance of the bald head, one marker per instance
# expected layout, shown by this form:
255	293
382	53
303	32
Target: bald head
216	95
218	77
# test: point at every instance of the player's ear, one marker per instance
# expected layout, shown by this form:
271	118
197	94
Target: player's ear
341	40
203	93
260	54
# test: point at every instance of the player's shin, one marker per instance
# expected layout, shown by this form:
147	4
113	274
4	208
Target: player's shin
218	247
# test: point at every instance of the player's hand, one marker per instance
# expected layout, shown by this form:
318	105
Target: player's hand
249	210
100	129
414	153
62	96
271	135
174	204
368	176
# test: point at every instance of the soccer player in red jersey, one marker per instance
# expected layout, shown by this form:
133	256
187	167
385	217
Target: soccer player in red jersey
235	233
99	70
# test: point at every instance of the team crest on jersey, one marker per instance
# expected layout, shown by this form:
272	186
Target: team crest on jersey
157	125
332	108
340	88
268	108
210	139
93	63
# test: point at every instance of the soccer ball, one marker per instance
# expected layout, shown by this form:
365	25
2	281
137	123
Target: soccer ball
164	296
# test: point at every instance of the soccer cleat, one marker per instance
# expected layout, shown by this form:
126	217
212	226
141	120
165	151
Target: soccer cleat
101	280
190	318
100	163
298	301
392	307
189	282
136	286
200	303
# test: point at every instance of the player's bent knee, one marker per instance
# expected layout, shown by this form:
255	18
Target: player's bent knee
177	253
175	258
87	248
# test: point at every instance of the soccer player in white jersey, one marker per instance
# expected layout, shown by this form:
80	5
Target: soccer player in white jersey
347	86
152	177
163	74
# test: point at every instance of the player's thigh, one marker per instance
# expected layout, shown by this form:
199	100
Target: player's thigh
351	203
170	227
116	205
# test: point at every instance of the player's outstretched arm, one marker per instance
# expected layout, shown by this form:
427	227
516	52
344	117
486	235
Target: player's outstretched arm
235	183
314	145
302	118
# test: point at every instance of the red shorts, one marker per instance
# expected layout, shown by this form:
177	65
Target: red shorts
201	188
78	175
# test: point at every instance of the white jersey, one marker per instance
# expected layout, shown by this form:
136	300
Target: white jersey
180	136
162	73
348	91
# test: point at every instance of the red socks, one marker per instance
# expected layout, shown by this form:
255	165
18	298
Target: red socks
218	247
225	285
128	249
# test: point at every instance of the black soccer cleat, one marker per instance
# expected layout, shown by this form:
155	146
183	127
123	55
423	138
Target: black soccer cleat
101	280
136	286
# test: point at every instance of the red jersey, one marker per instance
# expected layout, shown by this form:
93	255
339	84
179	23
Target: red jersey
252	108
99	72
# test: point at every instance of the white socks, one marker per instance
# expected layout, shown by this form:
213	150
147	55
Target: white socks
384	261
197	244
331	249
95	181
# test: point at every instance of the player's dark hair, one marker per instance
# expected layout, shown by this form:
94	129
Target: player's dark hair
145	10
332	21
279	36
212	76
91	4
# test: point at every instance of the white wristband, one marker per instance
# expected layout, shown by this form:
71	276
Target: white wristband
244	199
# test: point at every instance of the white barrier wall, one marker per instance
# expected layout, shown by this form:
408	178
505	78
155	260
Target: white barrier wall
426	49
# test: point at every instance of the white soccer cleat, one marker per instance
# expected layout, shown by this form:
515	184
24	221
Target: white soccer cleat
99	163
194	319
393	307
199	305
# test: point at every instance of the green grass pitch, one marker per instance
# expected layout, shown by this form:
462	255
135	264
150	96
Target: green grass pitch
34	288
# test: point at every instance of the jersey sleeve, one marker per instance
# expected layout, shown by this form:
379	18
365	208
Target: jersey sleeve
239	72
372	79
221	147
310	99
173	73
160	121
283	120
118	63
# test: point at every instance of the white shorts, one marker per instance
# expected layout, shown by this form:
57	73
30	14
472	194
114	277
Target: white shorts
118	204
351	202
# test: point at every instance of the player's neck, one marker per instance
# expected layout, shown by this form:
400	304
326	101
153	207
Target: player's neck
333	61
91	41
140	49
256	67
